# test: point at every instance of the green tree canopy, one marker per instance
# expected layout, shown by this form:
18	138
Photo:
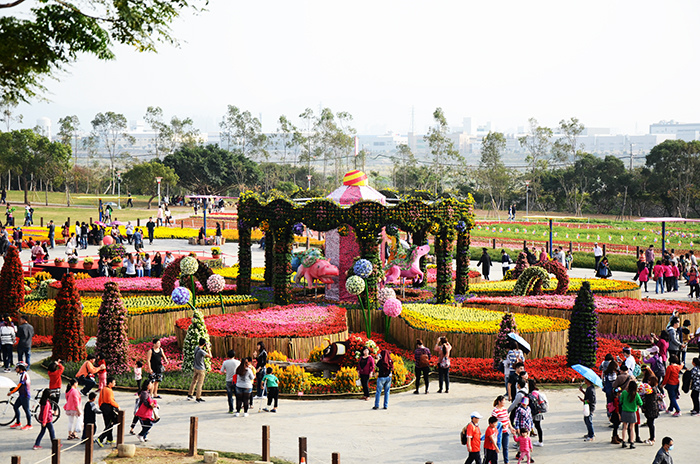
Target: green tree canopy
56	32
141	178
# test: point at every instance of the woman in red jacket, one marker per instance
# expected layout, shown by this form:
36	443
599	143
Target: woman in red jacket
45	418
672	382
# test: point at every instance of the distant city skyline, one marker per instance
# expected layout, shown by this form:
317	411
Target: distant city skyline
619	65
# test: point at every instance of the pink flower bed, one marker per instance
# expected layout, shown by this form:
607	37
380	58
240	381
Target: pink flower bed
604	305
129	284
279	321
432	274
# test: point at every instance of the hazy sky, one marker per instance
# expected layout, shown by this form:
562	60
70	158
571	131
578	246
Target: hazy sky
620	64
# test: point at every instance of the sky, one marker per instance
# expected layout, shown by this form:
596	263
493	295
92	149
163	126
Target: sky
619	64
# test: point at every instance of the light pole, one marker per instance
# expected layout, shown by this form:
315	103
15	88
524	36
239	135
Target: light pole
158	179
308	178
527	200
119	190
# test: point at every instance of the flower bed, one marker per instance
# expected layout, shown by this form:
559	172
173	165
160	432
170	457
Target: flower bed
148	315
231	273
139	285
626	316
431	273
292	330
473	331
607	287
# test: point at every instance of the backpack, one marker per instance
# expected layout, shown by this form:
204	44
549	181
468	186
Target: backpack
541	401
424	361
658	368
534	404
687	377
463	436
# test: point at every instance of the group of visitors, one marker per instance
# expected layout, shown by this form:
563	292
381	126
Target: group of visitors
668	271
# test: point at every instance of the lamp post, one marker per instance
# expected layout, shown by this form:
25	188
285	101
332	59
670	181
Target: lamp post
119	190
158	179
308	178
527	200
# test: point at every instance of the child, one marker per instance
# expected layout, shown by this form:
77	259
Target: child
614	411
90	414
588	400
525	445
491	442
45	418
138	374
472	436
644	279
686	336
102	375
270	383
72	407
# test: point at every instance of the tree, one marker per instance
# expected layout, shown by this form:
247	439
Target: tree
54	33
404	160
68	135
170	137
441	147
141	178
675	175
583	332
289	136
11	283
307	140
242	133
8	104
195	331
29	154
210	170
112	341
68	331
492	173
538	145
110	131
566	152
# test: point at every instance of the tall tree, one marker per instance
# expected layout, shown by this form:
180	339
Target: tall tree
141	178
441	147
289	137
404	159
675	175
242	132
169	137
51	35
566	152
538	144
493	174
110	131
68	128
8	105
308	153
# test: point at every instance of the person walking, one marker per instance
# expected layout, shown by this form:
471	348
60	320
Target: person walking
695	387
156	359
8	334
630	401
672	383
443	348
491	441
228	368
217	238
157	265
109	407
644	278
674	334
538	406
24	389
200	370
473	434
129	200
505	262
271	386
260	363
129	232
598	255
589	402
663	456
151	226
650	407
90	412
365	367
485	263
385	367
159	216
501	412
45	419
421	355
73	408
244	385
524	446
52	234
147	411
515	355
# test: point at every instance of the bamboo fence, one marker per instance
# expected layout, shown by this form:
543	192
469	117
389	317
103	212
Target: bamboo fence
142	325
634	293
480	345
622	324
356	320
292	347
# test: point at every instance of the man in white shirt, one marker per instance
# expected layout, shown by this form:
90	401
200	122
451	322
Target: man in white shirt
598	254
229	367
629	359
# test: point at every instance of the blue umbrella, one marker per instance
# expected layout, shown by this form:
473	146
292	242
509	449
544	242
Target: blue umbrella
588	374
521	341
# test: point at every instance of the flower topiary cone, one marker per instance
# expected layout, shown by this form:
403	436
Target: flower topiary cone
500	350
68	333
11	284
112	340
583	332
195	331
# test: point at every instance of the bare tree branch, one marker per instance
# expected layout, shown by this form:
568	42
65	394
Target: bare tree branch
11	4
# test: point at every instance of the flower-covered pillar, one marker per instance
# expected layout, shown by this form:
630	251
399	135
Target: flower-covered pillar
462	258
443	254
282	269
269	257
245	259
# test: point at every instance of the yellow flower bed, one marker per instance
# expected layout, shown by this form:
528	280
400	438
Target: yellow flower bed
597	286
257	273
136	305
445	318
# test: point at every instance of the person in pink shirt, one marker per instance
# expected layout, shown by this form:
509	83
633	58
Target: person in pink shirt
675	270
658	272
644	278
73	409
525	446
668	275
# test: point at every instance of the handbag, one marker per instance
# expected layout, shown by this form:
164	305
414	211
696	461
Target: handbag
156	415
586	409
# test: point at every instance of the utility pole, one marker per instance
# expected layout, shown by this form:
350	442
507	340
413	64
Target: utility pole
630	156
527	200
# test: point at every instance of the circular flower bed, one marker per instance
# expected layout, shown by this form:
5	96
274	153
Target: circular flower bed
149	315
139	285
292	330
606	287
473	331
626	316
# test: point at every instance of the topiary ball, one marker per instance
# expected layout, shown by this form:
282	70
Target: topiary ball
355	285
181	296
216	283
188	265
362	268
384	294
392	307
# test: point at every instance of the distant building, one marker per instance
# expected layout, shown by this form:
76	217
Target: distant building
681	131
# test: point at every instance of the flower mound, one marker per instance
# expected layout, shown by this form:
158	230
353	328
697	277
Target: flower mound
181	296
444	318
384	294
279	321
355	285
68	330
188	265
362	268
583	335
216	283
112	341
11	283
392	307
